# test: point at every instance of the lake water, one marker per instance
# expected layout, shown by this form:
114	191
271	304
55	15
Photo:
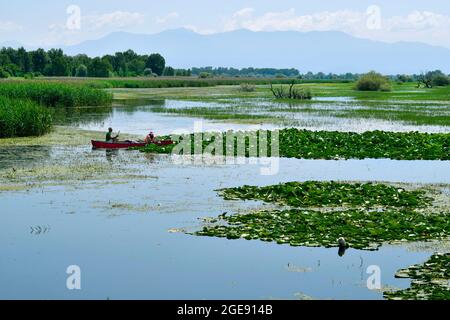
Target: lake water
117	230
140	119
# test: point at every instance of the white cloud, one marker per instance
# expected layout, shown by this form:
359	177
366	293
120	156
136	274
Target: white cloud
167	17
422	26
419	21
92	26
289	20
419	26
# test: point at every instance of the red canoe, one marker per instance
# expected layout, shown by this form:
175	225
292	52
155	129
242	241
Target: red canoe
125	144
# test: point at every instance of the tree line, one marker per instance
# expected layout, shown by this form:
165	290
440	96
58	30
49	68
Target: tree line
54	63
246	72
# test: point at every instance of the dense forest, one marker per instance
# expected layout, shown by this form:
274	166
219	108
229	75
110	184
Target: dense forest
54	63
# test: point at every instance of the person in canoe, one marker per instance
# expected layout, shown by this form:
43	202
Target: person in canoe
150	138
110	138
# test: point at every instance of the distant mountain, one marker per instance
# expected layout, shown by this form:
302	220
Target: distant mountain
307	51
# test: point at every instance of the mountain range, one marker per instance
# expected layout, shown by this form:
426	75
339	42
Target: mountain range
326	51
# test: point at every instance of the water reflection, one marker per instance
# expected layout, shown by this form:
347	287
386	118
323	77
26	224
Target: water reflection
81	116
137	116
111	154
151	157
341	251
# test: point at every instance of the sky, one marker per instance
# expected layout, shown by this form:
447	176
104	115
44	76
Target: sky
61	22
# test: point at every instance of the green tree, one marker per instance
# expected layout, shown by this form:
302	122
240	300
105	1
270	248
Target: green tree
157	63
24	60
205	75
99	68
3	73
373	81
438	78
39	59
82	71
59	64
169	72
4	59
12	69
136	67
119	64
148	72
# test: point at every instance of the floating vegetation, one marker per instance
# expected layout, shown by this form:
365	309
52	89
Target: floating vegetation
59	172
294	268
78	171
296	143
314	193
130	207
362	229
372	144
430	280
384	214
217	114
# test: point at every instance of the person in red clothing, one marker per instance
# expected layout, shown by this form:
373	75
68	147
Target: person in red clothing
150	138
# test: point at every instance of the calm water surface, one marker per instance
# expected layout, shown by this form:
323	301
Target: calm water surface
118	233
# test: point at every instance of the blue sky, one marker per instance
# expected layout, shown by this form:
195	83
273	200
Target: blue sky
44	22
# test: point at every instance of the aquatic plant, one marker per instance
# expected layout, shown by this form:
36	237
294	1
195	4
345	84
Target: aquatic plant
297	143
368	215
55	94
362	229
430	280
19	118
323	194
